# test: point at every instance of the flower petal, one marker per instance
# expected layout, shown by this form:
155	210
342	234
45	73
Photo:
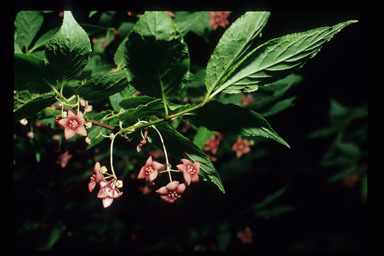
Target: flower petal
141	174
195	177
181	167
71	115
196	165
107	202
96	167
80	118
157	165
187	177
186	161
81	131
167	199
91	185
162	191
149	161
68	133
172	185
63	122
153	175
180	189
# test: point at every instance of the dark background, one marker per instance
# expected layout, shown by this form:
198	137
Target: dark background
325	216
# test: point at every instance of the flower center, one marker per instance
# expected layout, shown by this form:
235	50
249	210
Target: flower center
72	123
172	194
148	170
190	169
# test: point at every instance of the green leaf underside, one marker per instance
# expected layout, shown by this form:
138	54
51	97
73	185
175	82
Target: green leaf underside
277	58
29	71
27	25
69	50
156	56
103	86
197	22
233	46
236	120
34	106
132	115
174	141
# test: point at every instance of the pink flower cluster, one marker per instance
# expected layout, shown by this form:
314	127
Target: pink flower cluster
108	189
173	190
218	19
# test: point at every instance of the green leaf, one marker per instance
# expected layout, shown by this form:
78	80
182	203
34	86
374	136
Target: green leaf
233	47
27	24
29	73
196	22
181	147
45	38
157	57
276	59
234	119
34	106
141	112
135	101
202	135
103	86
69	50
121	54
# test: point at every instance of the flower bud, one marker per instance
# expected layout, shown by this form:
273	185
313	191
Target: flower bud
88	125
88	108
30	135
64	114
119	183
88	140
103	169
24	121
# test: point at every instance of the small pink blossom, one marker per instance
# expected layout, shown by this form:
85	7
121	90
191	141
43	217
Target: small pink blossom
246	100
213	143
190	171
246	236
171	14
108	191
145	190
241	147
172	191
218	19
63	159
73	124
96	178
150	170
143	142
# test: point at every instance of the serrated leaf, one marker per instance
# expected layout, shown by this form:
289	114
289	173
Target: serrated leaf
276	59
231	118
103	86
143	111
27	24
45	38
157	57
233	47
181	147
197	22
34	106
69	50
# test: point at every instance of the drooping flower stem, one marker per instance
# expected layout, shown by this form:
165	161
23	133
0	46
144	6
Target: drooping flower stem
111	156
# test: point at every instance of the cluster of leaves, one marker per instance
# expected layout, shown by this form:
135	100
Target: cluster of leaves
134	68
153	59
346	157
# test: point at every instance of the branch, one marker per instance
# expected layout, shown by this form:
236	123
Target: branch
94	122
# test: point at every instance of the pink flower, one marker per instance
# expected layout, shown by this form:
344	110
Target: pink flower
246	236
213	143
246	100
190	171
172	191
96	178
73	124
241	147
108	191
218	19
150	170
63	159
143	142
